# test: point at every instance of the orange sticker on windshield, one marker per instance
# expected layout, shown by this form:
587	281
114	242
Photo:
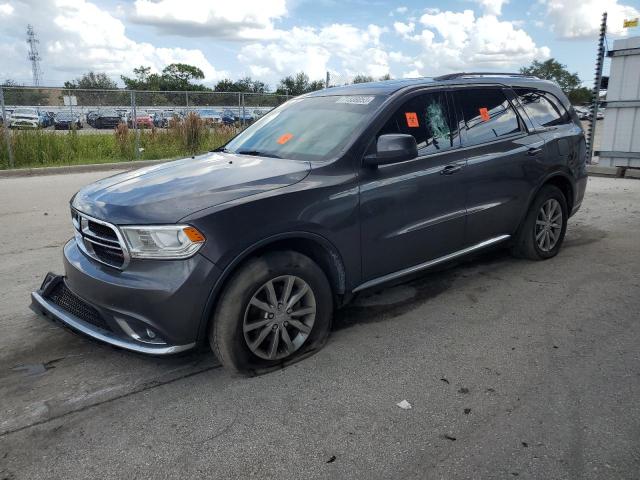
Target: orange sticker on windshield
484	114
412	119
285	138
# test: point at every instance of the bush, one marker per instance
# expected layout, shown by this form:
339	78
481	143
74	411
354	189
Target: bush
40	148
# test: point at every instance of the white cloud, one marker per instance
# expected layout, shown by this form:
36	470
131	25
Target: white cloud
399	57
340	47
401	10
404	29
579	19
6	9
77	35
492	7
462	41
247	19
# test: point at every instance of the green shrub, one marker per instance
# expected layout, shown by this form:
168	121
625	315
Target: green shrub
40	148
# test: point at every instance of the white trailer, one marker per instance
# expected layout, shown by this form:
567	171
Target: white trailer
620	143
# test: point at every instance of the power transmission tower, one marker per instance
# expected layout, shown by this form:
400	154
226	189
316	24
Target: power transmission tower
34	56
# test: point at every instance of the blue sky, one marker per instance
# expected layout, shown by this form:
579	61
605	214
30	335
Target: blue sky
269	39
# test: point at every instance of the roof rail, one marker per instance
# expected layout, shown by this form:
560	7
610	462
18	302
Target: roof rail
451	76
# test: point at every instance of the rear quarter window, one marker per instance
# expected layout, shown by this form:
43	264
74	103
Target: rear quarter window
543	108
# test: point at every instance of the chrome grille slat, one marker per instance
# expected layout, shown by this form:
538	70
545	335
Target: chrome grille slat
95	242
105	245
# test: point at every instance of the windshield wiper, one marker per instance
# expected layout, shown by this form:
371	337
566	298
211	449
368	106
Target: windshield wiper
257	153
222	149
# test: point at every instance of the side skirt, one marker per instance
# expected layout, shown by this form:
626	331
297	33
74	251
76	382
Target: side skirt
430	263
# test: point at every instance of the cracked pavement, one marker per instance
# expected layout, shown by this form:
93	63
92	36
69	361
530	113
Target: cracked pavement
512	368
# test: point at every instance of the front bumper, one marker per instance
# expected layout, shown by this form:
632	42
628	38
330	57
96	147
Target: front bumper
152	307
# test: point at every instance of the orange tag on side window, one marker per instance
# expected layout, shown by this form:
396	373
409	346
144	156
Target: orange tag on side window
412	119
484	114
285	138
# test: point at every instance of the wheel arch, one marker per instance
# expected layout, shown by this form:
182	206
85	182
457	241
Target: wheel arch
315	246
558	179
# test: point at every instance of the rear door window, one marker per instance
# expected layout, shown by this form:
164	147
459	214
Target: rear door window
543	108
428	119
485	115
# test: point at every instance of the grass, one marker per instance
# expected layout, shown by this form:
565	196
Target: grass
43	148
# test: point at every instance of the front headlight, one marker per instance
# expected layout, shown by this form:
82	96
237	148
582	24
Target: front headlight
163	241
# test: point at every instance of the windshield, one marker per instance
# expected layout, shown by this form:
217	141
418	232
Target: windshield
64	116
313	128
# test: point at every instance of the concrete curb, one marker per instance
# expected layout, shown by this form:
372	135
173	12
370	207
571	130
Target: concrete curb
99	167
632	173
601	171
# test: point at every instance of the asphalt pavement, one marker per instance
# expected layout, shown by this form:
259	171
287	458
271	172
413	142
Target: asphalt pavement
513	369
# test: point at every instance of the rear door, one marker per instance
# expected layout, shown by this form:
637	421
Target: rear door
564	137
504	161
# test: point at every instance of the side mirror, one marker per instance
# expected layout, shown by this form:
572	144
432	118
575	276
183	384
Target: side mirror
393	148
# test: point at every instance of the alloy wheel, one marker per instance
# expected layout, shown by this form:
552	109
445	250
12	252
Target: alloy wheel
279	317
548	225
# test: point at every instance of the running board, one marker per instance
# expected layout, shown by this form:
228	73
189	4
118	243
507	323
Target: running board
430	263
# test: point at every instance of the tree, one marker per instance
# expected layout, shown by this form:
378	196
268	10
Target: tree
386	76
143	79
553	70
182	73
362	79
316	85
581	96
298	85
225	85
92	81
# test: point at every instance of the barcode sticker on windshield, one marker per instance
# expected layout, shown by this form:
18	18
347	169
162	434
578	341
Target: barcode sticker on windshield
355	100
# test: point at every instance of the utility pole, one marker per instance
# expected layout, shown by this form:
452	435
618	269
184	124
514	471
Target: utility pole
326	83
34	56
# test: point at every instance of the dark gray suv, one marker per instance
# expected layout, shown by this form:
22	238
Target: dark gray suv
251	247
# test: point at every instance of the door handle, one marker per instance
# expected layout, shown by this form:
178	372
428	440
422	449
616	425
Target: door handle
450	169
534	151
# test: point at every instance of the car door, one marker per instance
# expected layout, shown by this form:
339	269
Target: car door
563	136
413	211
504	162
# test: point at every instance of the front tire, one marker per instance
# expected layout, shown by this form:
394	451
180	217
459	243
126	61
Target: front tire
541	235
276	309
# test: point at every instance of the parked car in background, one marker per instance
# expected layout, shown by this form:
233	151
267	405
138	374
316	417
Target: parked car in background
91	117
582	112
228	117
143	120
251	247
163	119
107	119
25	118
246	117
66	121
209	116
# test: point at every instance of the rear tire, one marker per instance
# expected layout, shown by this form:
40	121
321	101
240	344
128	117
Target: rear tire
541	234
260	324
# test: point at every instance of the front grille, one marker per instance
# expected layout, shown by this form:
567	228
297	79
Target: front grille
65	299
99	240
102	231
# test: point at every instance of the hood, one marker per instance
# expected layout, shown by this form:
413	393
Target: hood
24	116
170	191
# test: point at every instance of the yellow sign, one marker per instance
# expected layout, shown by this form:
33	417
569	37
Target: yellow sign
630	23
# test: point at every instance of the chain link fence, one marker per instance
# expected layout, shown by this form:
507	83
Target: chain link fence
55	111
